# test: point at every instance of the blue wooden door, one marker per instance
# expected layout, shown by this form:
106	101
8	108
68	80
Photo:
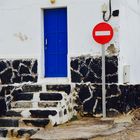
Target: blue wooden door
55	42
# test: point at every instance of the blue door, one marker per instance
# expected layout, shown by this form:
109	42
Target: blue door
55	42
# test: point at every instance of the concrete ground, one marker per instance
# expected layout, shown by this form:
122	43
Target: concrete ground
93	129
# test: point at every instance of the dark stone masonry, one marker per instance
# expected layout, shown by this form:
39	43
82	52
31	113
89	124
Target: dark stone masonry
86	74
42	113
18	71
50	96
11	93
88	69
63	88
119	98
85	88
37	123
9	122
21	96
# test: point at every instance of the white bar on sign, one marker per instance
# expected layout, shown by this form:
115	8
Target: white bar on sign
102	33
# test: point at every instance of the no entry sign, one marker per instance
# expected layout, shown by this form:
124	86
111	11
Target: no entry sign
102	33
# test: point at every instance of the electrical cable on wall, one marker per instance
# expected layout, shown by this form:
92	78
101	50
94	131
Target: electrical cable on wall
110	13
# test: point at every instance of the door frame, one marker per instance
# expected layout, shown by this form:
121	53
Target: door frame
53	80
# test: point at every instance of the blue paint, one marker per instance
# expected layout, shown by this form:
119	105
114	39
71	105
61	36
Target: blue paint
55	30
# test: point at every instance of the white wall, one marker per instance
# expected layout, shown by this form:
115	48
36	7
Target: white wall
130	39
21	30
84	15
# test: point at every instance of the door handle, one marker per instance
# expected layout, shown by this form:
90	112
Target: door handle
46	41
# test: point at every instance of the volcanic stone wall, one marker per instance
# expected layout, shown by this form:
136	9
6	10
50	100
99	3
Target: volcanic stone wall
24	96
89	69
119	98
18	71
86	74
86	85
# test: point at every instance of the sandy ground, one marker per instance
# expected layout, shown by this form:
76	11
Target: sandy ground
131	133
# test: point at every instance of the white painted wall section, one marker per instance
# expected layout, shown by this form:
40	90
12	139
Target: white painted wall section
21	28
130	39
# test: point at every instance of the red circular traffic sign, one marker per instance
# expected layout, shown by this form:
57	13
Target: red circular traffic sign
102	33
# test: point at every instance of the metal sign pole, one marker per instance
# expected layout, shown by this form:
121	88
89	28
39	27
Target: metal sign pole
102	34
103	83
